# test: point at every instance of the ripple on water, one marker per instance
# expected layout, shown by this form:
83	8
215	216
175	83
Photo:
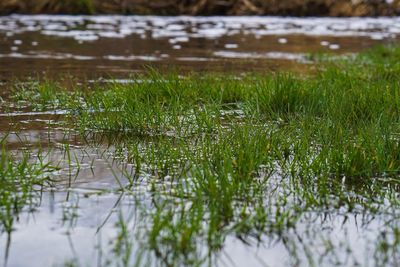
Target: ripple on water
114	42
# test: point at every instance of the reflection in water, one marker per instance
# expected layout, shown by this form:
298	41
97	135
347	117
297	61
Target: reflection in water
118	45
88	219
94	223
87	229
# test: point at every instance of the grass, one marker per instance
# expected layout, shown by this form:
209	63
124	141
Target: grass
21	183
248	156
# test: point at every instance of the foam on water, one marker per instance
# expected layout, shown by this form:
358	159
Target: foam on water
269	55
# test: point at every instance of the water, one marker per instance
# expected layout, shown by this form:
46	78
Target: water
121	45
76	220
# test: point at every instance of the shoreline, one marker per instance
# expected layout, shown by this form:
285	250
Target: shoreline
306	8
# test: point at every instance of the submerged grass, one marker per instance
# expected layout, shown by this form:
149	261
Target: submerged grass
248	156
21	182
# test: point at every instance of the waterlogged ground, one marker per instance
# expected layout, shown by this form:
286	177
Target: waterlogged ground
102	45
159	170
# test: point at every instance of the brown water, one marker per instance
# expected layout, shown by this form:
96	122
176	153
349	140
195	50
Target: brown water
94	47
76	220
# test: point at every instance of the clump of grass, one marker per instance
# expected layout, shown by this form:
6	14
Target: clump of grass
21	182
38	96
339	103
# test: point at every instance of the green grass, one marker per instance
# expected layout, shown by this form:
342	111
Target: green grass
21	182
248	156
345	109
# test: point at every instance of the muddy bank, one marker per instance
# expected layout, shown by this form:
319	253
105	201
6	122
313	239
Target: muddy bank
206	7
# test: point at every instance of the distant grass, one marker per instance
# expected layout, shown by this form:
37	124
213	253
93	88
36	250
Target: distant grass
247	156
66	6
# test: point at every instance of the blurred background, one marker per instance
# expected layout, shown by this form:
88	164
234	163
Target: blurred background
40	38
206	7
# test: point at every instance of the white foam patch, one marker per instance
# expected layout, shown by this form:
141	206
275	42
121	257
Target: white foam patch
59	56
132	58
334	46
231	46
282	40
64	56
269	55
77	35
51	112
194	59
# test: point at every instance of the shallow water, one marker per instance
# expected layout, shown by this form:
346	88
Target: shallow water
82	228
121	45
76	220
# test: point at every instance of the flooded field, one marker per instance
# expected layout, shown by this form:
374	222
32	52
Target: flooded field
135	167
118	46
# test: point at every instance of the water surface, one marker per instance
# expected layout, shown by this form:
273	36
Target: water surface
121	45
76	220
